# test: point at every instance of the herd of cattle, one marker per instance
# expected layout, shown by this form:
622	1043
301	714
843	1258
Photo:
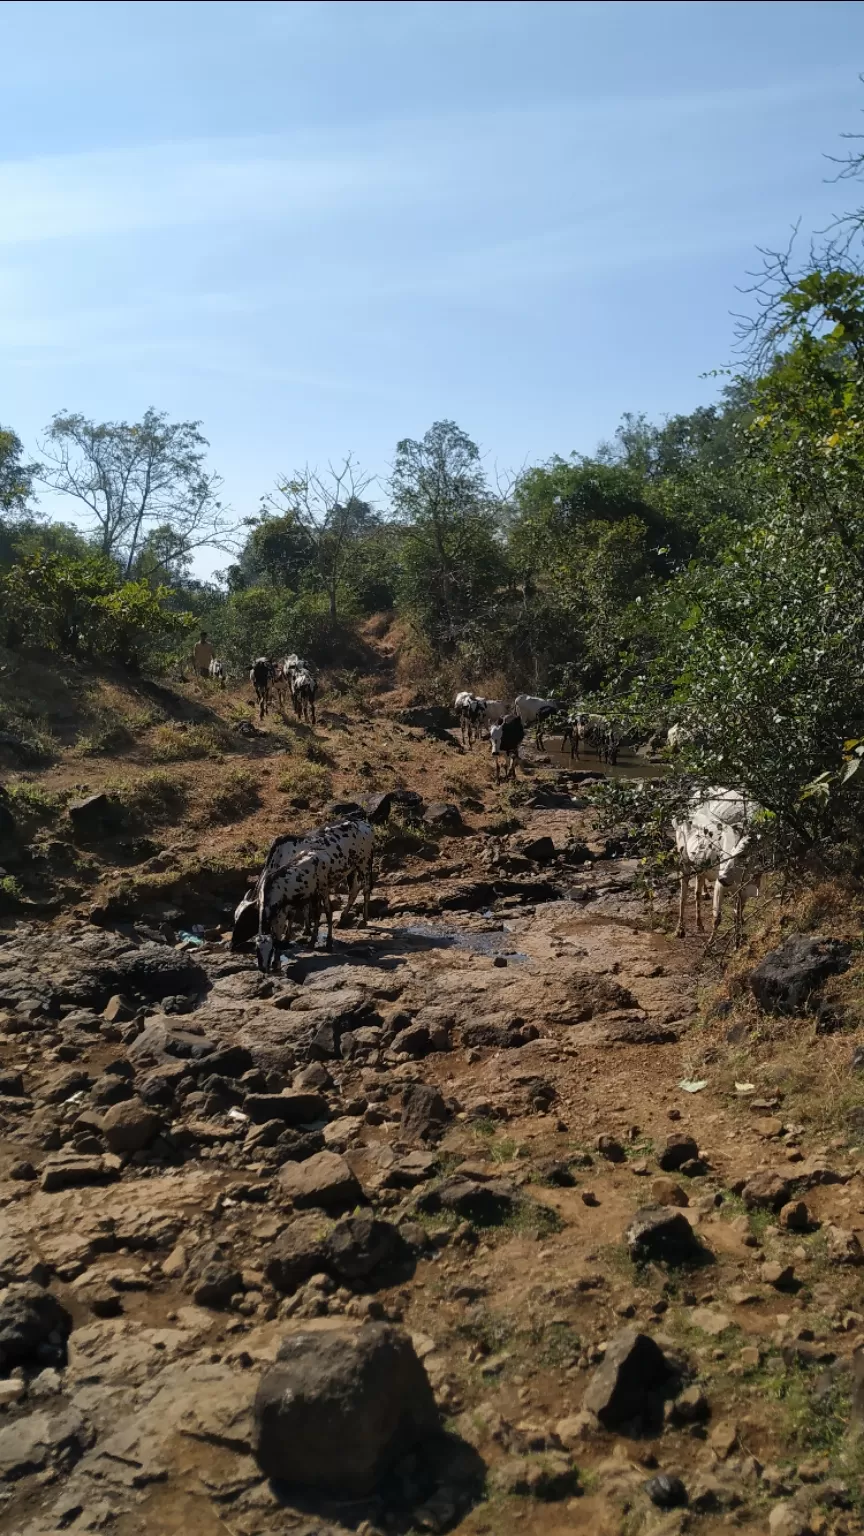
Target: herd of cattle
718	838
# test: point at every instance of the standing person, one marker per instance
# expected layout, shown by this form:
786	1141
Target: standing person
202	655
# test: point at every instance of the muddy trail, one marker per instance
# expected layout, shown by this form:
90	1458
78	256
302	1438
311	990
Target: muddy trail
508	1117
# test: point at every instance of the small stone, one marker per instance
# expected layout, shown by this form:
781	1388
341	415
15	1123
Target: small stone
690	1407
723	1439
768	1126
766	1191
118	1010
679	1149
666	1492
843	1247
665	1191
611	1149
794	1216
777	1274
786	1520
130	1126
589	1197
750	1357
11	1390
660	1232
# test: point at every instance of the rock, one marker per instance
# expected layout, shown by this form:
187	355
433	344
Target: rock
795	1216
11	1085
843	1247
786	1520
445	818
297	1253
776	1274
413	1041
690	1407
118	1009
550	1477
708	1495
34	1326
678	1150
130	1126
486	1204
786	978
292	1108
358	1245
541	850
162	1045
111	1089
665	1491
626	1390
667	1192
768	1126
324	1180
723	1439
766	1191
657	1232
575	1429
70	1170
424	1113
154	971
611	1149
29	1443
97	816
212	1278
337	1409
11	1391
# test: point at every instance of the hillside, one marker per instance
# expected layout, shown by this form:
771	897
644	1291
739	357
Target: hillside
512	1060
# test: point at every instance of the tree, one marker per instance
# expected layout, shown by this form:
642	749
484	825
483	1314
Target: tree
133	476
321	513
453	558
16	477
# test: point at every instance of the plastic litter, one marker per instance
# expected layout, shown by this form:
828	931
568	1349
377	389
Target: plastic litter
745	1087
693	1085
237	1114
189	938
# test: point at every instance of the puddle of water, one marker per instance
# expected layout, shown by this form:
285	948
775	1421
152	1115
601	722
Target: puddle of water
629	765
454	938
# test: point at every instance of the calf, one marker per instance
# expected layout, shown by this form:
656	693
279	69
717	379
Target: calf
716	837
261	677
465	705
506	737
218	671
299	889
303	691
536	712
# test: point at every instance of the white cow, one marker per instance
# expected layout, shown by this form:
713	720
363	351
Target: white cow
716	839
677	736
536	712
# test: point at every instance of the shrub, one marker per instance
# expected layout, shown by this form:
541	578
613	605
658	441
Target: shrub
157	796
306	781
169	744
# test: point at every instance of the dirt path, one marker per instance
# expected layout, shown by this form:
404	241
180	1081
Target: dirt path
558	1028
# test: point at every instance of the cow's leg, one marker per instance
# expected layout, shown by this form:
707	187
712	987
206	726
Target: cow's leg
682	901
700	892
327	902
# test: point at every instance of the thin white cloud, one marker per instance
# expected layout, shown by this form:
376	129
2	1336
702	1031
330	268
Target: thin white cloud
124	191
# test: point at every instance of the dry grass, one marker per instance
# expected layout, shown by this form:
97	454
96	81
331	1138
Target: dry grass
180	743
157	797
303	780
231	797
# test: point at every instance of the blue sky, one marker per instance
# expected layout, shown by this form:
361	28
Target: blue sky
320	227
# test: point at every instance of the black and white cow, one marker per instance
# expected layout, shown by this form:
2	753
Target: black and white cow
506	738
218	671
286	895
303	691
349	844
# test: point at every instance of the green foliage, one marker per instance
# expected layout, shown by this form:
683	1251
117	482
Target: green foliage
16	477
80	605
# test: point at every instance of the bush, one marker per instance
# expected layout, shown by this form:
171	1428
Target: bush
170	744
81	605
306	781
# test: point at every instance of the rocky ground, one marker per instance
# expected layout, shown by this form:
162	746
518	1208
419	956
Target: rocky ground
580	1174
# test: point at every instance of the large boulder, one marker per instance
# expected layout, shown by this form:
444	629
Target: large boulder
325	1181
443	817
152	971
338	1408
627	1389
34	1326
294	1107
97	816
658	1232
786	978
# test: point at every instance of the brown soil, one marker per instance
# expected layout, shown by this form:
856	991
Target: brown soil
512	1320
